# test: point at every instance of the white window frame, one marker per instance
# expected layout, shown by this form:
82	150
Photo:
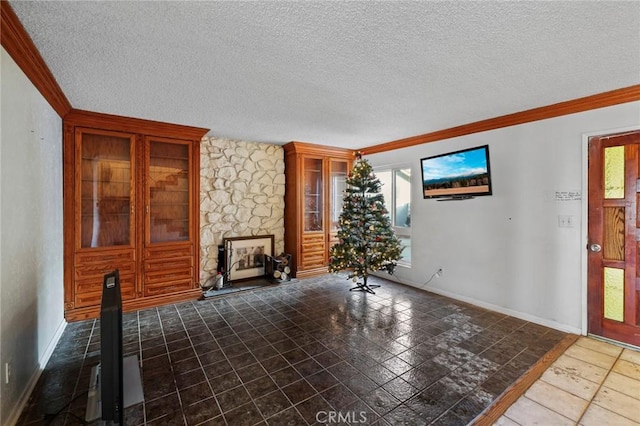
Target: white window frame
400	231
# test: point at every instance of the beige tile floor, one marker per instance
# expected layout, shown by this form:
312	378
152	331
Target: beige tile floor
592	383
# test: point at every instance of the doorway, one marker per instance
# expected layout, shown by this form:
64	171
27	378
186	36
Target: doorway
613	267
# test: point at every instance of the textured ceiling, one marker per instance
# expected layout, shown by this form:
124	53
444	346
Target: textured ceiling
337	73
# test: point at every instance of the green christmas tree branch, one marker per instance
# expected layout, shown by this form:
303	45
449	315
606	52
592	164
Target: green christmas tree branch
366	239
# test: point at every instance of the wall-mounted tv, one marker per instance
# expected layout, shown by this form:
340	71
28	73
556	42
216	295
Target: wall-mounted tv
457	175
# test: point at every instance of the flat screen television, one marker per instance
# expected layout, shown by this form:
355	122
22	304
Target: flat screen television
457	175
111	356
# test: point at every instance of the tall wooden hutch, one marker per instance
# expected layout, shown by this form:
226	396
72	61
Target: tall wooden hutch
131	202
315	181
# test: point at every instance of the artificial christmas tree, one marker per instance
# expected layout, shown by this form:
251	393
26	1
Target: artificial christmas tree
366	240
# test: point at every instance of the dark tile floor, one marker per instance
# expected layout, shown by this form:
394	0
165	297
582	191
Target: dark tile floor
308	352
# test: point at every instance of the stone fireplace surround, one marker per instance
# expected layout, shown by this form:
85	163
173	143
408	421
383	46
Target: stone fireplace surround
242	187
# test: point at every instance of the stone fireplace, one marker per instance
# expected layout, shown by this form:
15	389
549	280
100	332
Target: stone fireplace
242	188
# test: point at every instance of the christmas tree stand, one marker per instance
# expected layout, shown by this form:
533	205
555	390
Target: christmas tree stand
363	286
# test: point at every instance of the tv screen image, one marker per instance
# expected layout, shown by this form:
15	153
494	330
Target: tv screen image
460	174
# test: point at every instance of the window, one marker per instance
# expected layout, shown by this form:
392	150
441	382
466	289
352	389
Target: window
396	189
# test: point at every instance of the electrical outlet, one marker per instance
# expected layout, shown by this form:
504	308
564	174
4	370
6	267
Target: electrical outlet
440	271
7	373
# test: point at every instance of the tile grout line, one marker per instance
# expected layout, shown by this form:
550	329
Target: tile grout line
316	392
206	377
224	418
545	407
144	402
164	337
479	386
513	393
599	386
562	390
235	333
84	359
279	388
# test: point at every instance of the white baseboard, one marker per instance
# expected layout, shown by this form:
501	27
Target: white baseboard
52	345
500	309
31	384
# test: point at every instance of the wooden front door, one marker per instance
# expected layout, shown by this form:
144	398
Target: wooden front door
614	236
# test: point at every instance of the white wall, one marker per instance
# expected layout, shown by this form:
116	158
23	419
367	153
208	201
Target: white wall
31	255
506	251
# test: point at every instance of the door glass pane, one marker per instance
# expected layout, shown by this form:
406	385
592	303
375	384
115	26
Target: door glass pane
613	233
614	172
338	186
312	194
106	190
614	294
168	192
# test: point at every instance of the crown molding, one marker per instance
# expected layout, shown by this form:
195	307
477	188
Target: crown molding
295	147
97	120
601	100
15	40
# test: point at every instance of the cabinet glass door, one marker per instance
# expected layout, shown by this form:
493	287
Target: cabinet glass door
313	196
168	192
106	188
338	187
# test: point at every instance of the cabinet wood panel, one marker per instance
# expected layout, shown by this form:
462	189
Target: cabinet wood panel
170	263
313	249
98	269
167	286
312	238
313	255
313	260
168	251
112	256
315	178
89	291
131	202
167	274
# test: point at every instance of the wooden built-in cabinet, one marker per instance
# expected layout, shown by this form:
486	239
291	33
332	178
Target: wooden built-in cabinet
315	182
131	202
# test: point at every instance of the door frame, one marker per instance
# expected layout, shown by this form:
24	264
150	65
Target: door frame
584	231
